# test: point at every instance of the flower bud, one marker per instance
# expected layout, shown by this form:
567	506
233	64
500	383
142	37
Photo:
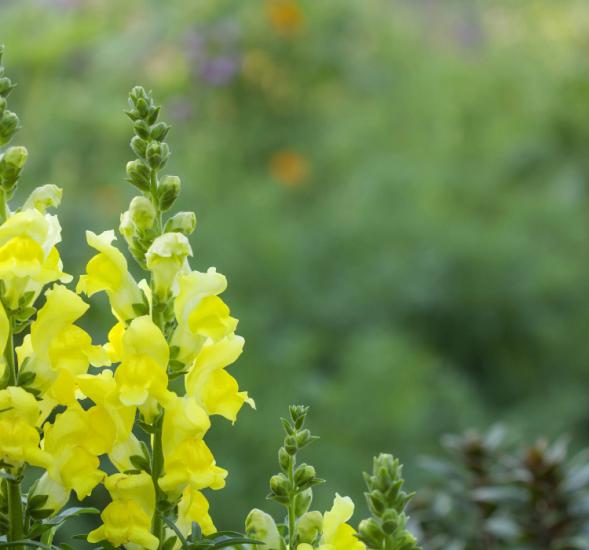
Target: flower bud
261	526
290	444
8	125
168	191
159	131
139	146
3	103
141	128
303	438
283	459
182	222
166	257
6	86
303	501
10	166
157	154
43	197
138	174
279	485
370	533
309	527
303	474
126	227
15	157
142	213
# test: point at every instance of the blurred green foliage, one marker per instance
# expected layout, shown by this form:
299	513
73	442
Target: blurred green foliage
397	192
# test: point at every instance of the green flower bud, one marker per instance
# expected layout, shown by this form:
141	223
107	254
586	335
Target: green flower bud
279	485
303	438
290	444
43	197
6	86
8	125
139	174
10	166
303	501
182	222
139	146
3	103
157	154
142	213
127	227
303	474
142	107
309	527
283	459
370	533
168	191
15	157
160	131
261	526
141	128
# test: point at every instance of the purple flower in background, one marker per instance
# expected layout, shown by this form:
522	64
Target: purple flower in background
219	70
214	53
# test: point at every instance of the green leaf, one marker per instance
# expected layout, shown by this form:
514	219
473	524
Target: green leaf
174	528
37	501
25	542
71	513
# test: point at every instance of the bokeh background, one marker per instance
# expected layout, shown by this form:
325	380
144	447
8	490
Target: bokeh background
398	192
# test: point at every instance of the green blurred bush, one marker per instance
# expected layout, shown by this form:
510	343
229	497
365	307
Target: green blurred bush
397	192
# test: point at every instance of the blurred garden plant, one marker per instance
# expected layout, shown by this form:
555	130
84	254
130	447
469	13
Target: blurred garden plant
491	495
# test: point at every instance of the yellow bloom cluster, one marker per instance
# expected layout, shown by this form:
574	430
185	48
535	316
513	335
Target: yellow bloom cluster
76	401
199	342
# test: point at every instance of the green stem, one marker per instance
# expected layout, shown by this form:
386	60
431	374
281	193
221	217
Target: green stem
15	507
3	206
15	512
291	507
157	466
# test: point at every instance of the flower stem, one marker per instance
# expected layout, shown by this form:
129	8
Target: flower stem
15	507
291	506
157	465
15	512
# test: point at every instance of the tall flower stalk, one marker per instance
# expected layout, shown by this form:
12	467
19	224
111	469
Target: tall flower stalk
173	339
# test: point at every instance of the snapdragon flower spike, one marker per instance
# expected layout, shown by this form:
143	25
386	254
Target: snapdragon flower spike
387	528
292	488
170	325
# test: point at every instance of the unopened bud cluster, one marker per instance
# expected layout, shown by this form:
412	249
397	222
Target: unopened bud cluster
293	480
142	222
387	502
14	158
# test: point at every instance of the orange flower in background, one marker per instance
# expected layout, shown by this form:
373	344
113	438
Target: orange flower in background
289	168
286	16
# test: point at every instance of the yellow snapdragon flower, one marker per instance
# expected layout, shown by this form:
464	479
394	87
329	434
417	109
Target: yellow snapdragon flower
127	519
194	507
56	351
19	438
108	271
102	389
184	420
144	360
200	313
211	385
166	258
74	442
28	255
337	534
191	464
